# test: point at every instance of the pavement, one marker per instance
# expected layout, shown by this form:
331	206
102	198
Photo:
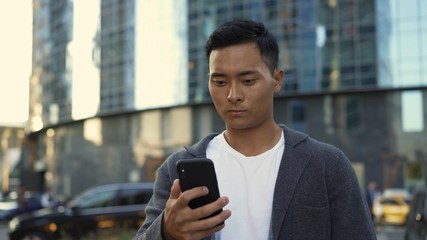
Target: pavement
3	231
390	232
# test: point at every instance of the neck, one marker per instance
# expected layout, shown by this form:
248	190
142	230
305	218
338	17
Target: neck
254	141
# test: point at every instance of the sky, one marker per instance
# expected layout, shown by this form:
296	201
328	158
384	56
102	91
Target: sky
15	60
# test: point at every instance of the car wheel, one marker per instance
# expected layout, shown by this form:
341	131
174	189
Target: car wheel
34	236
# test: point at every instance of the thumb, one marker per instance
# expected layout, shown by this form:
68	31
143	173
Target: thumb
175	189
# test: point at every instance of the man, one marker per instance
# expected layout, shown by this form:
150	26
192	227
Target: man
371	195
47	199
276	183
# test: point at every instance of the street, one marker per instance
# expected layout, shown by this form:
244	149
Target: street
384	233
390	233
3	230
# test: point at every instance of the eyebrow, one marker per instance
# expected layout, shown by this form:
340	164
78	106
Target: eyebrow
243	73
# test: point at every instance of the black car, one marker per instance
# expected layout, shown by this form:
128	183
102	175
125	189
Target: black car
111	206
416	223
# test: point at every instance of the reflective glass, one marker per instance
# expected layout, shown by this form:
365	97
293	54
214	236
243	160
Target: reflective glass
409	25
423	8
410	45
408	8
412	111
98	200
423	49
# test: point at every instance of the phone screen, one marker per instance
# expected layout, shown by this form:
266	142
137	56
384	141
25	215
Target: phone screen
198	172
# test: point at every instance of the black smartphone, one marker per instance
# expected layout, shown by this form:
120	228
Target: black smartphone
198	172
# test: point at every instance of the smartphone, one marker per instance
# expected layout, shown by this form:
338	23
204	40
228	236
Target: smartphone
198	172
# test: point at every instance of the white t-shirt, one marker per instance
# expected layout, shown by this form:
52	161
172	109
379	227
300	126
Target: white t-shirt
249	183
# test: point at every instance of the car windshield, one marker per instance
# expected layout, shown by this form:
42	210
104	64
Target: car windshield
112	196
390	202
134	196
100	199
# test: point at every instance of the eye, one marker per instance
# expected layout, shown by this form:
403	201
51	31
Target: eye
219	83
249	82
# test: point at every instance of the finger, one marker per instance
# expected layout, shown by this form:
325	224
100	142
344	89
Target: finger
175	189
211	208
193	193
214	221
211	225
204	233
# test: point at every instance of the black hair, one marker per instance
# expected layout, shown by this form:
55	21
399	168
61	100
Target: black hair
245	31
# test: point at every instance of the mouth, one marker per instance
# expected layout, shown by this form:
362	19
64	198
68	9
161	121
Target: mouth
236	111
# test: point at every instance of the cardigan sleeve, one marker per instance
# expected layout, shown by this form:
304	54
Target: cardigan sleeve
151	229
350	217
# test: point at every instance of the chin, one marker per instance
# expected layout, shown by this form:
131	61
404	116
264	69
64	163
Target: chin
239	126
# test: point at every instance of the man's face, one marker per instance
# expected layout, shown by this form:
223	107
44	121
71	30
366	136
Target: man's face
241	86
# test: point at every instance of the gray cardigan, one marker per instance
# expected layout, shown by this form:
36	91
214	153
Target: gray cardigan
316	196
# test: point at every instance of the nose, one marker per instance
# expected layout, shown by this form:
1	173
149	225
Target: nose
235	94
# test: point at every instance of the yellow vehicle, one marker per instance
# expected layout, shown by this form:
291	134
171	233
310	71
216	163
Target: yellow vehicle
391	210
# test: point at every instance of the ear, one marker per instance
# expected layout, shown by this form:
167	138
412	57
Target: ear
278	79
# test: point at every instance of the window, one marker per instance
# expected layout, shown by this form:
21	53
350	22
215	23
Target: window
97	200
134	196
412	111
298	115
352	113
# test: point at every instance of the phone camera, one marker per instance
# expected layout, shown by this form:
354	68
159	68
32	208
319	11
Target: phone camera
183	173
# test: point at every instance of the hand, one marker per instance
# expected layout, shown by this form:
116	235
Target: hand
182	222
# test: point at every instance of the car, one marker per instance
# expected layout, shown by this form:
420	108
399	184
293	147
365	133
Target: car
9	205
8	209
391	192
108	206
416	224
392	210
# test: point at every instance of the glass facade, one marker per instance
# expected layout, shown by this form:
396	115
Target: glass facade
403	33
325	45
141	48
50	86
11	141
106	57
117	59
354	77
